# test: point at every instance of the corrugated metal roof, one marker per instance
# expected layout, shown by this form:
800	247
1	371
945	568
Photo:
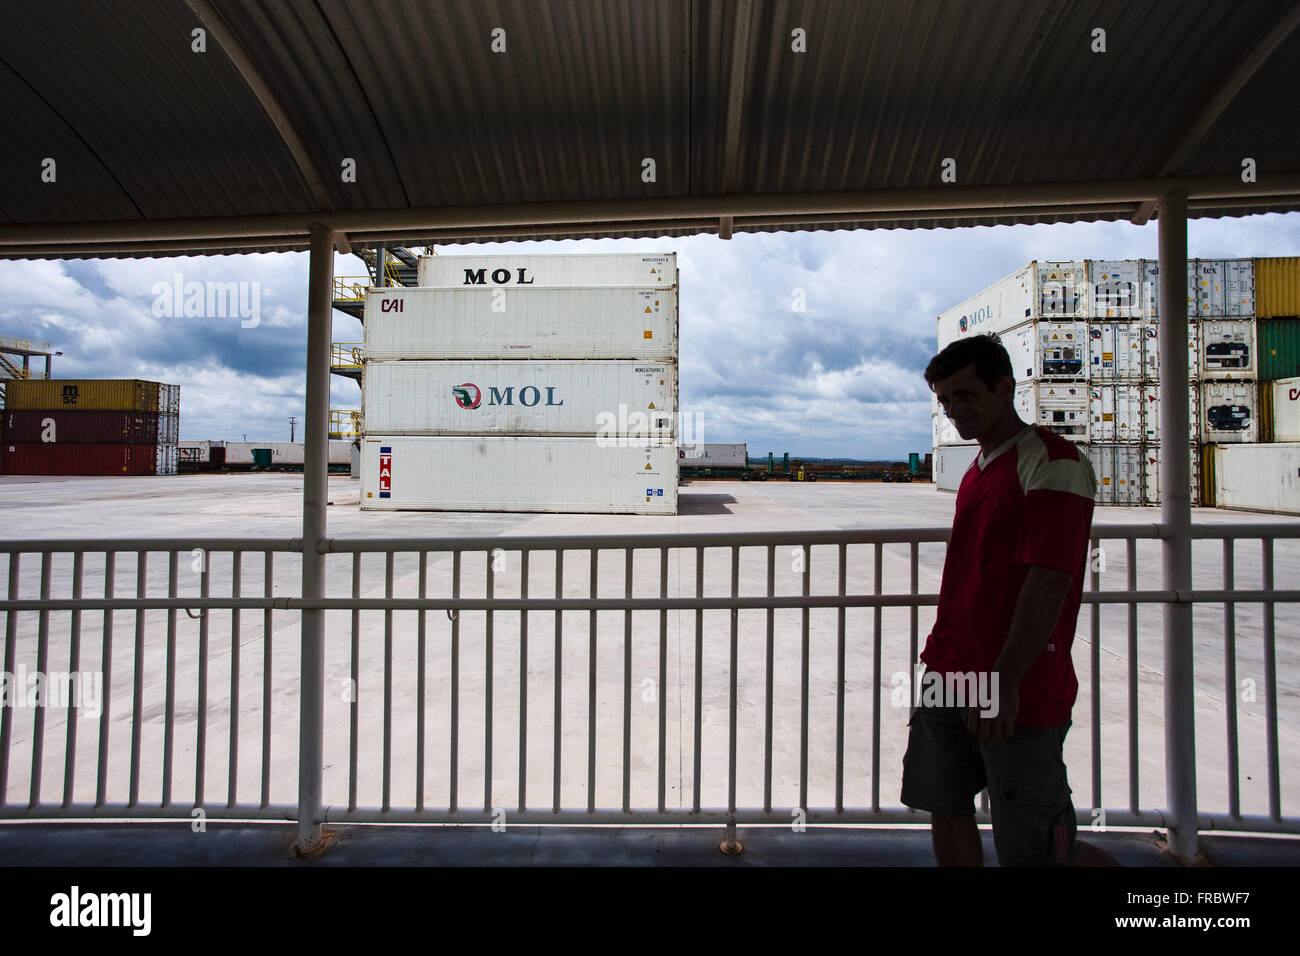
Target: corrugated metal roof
144	129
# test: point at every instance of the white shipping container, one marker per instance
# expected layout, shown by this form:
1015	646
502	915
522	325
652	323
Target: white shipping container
944	432
166	459
1151	411
585	475
1118	471
1258	477
714	455
1229	411
1151	352
282	452
1225	287
1116	412
521	398
1151	479
1003	305
1227	348
1057	406
1048	349
1062	289
194	451
950	463
619	269
1115	289
1286	409
1116	351
522	323
1151	289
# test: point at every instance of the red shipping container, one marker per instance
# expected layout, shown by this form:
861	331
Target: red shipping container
96	428
38	458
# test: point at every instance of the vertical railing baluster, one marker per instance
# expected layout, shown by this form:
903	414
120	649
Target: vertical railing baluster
878	580
1270	688
106	663
559	680
388	683
523	683
915	557
419	682
734	666
268	591
74	668
236	591
1230	676
487	684
42	668
768	677
201	741
354	691
169	690
839	681
1094	666
1134	739
11	644
455	682
627	682
699	679
591	687
803	683
663	680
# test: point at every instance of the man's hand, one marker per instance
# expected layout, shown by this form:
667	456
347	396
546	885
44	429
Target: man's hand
1003	724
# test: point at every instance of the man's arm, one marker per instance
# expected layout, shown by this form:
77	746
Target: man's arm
1038	608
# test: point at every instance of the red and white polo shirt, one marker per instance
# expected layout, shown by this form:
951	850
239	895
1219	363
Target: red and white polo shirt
1027	502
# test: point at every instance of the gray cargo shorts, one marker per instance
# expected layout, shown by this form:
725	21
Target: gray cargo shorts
944	768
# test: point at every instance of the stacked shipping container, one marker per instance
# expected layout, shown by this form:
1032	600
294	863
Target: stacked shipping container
523	383
91	427
1084	342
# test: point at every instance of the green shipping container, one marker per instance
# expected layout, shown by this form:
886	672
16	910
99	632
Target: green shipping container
83	394
1279	347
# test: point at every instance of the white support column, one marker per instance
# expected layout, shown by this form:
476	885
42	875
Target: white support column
1176	517
315	478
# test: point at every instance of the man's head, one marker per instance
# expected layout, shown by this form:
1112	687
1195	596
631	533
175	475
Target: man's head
973	381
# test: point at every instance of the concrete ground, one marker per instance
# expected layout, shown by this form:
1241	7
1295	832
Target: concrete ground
192	508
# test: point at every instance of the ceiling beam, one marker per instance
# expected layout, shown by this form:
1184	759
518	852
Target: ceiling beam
1195	129
735	106
929	202
279	117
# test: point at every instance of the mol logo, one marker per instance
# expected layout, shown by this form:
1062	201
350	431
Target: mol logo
499	277
467	395
978	317
385	471
392	305
1293	394
470	396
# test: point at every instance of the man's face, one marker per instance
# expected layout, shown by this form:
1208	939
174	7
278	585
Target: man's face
972	406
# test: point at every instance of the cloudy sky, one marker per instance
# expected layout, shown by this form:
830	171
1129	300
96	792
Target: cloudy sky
840	379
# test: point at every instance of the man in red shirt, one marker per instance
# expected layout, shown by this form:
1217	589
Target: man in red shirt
1012	582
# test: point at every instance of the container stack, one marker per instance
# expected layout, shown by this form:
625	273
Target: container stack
1266	476
523	383
91	427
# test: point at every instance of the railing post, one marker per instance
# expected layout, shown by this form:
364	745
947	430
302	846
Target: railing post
1176	516
315	478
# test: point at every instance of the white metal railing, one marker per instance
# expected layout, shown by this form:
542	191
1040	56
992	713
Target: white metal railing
774	655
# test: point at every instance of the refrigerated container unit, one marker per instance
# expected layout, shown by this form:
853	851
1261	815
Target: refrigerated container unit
950	463
1224	287
1117	351
1057	406
1227	348
1151	289
944	432
1114	289
1119	471
288	455
518	473
1151	411
1048	350
1041	290
1117	413
521	323
1280	410
1151	351
618	269
1228	412
549	397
